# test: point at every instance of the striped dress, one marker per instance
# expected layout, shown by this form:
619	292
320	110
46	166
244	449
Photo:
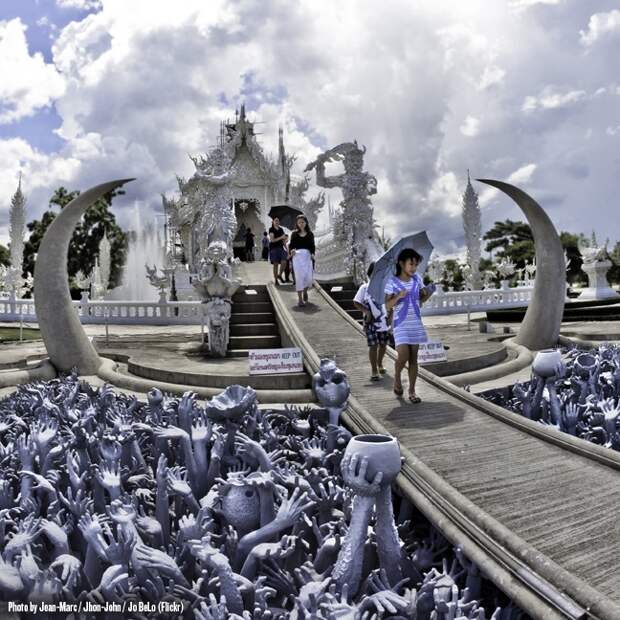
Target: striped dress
407	321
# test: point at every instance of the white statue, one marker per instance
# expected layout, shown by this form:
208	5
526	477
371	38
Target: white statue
506	269
218	222
357	186
161	282
218	312
17	228
473	233
216	286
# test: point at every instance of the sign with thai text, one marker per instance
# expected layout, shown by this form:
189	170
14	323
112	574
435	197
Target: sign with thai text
432	351
275	361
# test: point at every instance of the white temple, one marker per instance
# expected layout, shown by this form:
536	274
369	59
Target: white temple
232	190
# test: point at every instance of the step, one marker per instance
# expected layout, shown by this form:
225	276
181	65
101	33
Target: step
246	296
347	304
246	318
254	329
252	342
343	295
251	306
221	379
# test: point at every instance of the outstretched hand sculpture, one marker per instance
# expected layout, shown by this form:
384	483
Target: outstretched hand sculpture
232	511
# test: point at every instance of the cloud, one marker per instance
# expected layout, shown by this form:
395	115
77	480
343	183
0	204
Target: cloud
431	92
549	100
600	25
470	127
521	176
28	83
521	5
84	5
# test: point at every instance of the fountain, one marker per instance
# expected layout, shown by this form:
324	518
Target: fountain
145	247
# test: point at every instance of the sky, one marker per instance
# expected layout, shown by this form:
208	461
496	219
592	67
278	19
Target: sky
525	91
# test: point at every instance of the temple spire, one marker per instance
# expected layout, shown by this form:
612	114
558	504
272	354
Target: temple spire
472	226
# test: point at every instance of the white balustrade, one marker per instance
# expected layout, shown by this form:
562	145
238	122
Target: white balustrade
457	302
191	312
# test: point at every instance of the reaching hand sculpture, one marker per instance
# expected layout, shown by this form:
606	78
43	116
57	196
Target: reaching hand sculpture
579	395
233	511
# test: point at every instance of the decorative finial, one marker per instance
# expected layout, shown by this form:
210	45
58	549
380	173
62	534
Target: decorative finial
468	179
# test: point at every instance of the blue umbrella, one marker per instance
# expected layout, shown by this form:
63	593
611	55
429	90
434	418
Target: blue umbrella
385	266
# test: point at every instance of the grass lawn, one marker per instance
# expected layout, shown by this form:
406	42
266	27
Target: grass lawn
11	334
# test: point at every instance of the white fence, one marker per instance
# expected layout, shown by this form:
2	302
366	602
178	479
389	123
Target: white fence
453	302
114	312
191	312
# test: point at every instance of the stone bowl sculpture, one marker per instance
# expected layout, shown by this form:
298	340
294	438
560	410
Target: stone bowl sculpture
585	364
383	453
231	404
546	362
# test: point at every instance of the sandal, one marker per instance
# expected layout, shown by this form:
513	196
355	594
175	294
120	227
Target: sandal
414	398
375	378
398	391
382	370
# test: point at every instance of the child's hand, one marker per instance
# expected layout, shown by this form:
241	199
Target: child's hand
402	294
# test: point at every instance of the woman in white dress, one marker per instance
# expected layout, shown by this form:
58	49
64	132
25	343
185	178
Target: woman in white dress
302	248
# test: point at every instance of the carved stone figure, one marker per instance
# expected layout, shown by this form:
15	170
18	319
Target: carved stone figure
161	282
218	313
356	186
216	287
332	389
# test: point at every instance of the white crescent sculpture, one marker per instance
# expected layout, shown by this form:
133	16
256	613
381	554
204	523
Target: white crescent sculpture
64	337
540	328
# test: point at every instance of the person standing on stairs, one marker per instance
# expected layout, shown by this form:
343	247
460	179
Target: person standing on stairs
375	327
277	253
302	249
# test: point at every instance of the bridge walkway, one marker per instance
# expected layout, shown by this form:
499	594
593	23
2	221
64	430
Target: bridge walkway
547	511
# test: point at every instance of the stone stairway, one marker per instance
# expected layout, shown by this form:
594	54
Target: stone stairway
343	294
253	322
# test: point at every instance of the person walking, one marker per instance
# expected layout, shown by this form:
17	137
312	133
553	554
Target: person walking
301	248
404	293
375	327
249	245
277	253
265	241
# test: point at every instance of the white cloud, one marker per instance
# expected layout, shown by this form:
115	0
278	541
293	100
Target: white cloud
521	176
85	5
526	4
470	127
600	25
549	100
28	83
145	87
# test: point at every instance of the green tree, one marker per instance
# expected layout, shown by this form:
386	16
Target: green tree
5	256
570	243
613	275
453	275
84	246
514	241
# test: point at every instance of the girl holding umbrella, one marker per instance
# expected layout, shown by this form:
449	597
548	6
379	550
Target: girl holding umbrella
404	292
302	248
